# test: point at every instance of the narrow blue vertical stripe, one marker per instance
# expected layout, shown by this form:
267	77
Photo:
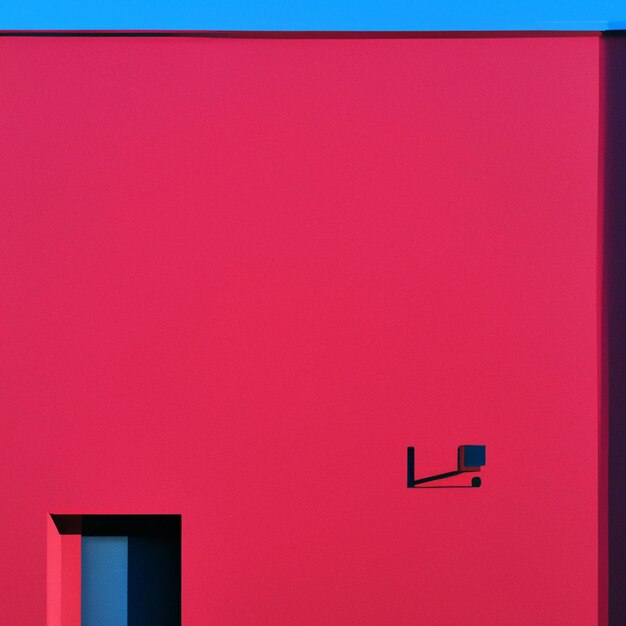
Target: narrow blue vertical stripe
104	579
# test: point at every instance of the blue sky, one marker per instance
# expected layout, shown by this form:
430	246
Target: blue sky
314	14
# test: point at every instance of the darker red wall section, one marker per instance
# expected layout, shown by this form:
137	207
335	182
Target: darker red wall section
614	303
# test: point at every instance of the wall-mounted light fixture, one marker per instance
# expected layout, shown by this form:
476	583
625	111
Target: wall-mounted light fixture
470	459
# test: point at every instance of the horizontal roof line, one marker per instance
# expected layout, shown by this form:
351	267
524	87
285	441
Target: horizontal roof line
304	34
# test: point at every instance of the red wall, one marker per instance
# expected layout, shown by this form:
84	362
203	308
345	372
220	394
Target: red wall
241	276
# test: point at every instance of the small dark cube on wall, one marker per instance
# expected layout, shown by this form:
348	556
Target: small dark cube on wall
472	458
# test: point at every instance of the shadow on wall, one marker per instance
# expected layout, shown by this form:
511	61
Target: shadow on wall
614	319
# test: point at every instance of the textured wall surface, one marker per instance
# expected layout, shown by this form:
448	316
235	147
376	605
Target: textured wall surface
240	276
